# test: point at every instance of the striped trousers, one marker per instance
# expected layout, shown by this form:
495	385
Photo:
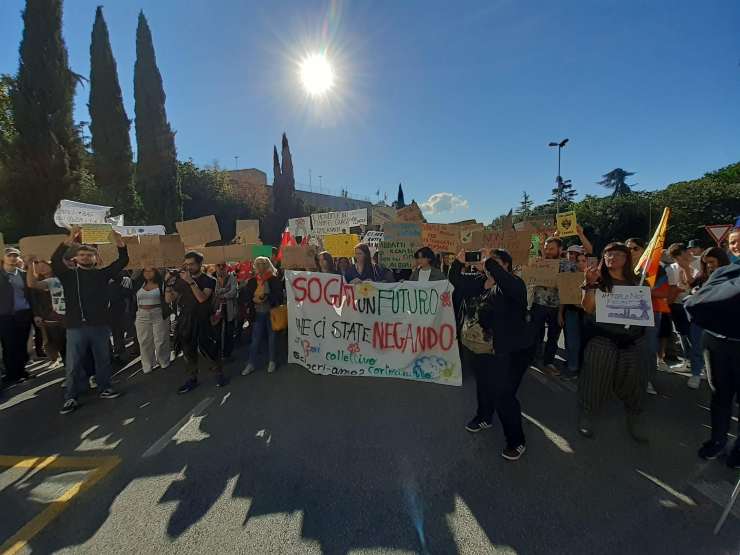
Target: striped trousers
610	369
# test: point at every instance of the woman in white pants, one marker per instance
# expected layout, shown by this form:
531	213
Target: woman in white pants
152	319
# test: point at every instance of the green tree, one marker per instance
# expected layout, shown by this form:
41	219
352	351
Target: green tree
44	158
112	163
525	205
563	195
156	165
7	124
616	181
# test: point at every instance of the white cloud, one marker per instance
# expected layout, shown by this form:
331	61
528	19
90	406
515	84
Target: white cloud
439	203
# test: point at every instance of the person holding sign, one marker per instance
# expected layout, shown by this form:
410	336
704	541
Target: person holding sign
152	319
87	313
47	299
614	357
263	293
495	332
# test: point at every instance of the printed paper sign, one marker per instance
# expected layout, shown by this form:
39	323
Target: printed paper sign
541	272
300	227
626	304
131	230
248	231
566	224
372	239
341	244
440	237
41	246
397	255
96	234
410	232
385	330
333	223
383	215
299	258
71	212
411	213
569	287
198	232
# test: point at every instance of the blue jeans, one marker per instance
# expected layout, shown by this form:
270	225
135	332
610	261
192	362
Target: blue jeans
262	327
572	338
696	354
79	340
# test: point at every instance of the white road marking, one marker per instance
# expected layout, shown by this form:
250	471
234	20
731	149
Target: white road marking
185	421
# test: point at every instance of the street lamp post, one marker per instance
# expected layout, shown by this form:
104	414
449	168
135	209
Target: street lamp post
559	180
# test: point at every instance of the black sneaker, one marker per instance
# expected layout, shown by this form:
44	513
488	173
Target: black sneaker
70	405
188	386
513	453
477	424
222	381
710	450
733	459
109	394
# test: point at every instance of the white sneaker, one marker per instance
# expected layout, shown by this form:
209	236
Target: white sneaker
93	382
694	382
663	366
271	368
146	370
650	389
248	369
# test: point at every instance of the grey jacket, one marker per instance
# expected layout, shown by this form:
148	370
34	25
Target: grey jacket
435	275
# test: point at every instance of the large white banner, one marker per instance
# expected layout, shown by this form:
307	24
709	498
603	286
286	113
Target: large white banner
334	223
71	212
386	330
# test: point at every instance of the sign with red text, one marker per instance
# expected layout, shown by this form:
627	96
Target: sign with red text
379	330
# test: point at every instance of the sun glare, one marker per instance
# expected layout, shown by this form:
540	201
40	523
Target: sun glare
317	75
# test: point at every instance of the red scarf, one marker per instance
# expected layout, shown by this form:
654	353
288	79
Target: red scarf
261	279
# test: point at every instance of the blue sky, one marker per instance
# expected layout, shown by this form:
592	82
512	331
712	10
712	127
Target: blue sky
446	97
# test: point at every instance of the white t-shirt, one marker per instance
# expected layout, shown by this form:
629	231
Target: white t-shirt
58	304
676	276
424	274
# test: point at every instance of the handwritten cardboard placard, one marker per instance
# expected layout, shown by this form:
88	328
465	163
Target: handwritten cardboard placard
372	239
171	250
96	234
411	213
144	253
397	255
378	330
261	250
383	215
567	224
334	223
299	258
198	232
569	287
410	232
71	212
107	254
541	272
626	304
248	231
467	233
41	246
300	227
131	230
440	238
341	244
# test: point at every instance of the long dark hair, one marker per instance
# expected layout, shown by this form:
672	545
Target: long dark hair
714	252
326	255
366	251
139	277
606	282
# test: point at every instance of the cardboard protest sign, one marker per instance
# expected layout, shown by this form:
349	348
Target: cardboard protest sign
466	233
248	231
381	330
299	258
473	241
518	244
397	255
411	213
226	253
334	223
535	245
261	250
171	250
300	227
410	232
342	244
566	224
440	237
96	234
383	215
372	239
541	272
107	254
198	232
41	246
71	212
144	253
626	304
131	230
569	287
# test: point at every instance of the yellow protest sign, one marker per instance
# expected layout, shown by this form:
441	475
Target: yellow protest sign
566	224
96	234
341	244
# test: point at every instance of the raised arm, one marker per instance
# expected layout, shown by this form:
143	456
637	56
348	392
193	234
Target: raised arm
32	280
57	259
466	285
118	265
588	247
588	295
510	285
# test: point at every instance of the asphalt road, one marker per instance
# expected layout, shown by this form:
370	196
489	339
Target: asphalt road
296	463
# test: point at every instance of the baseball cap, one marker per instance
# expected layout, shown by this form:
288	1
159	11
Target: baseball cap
694	243
577	248
12	250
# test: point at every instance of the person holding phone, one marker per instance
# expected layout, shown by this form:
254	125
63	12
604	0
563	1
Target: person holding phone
191	290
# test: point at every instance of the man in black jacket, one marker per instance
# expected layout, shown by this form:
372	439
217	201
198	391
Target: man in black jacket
15	316
87	313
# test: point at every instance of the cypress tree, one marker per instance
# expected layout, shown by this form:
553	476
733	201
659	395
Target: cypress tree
109	127
46	154
156	164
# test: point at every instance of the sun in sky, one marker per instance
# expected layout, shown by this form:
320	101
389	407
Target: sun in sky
317	74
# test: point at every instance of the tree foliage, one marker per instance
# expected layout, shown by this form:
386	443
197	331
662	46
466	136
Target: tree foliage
525	206
156	166
616	181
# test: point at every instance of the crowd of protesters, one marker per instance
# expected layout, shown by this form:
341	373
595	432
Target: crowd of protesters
84	315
